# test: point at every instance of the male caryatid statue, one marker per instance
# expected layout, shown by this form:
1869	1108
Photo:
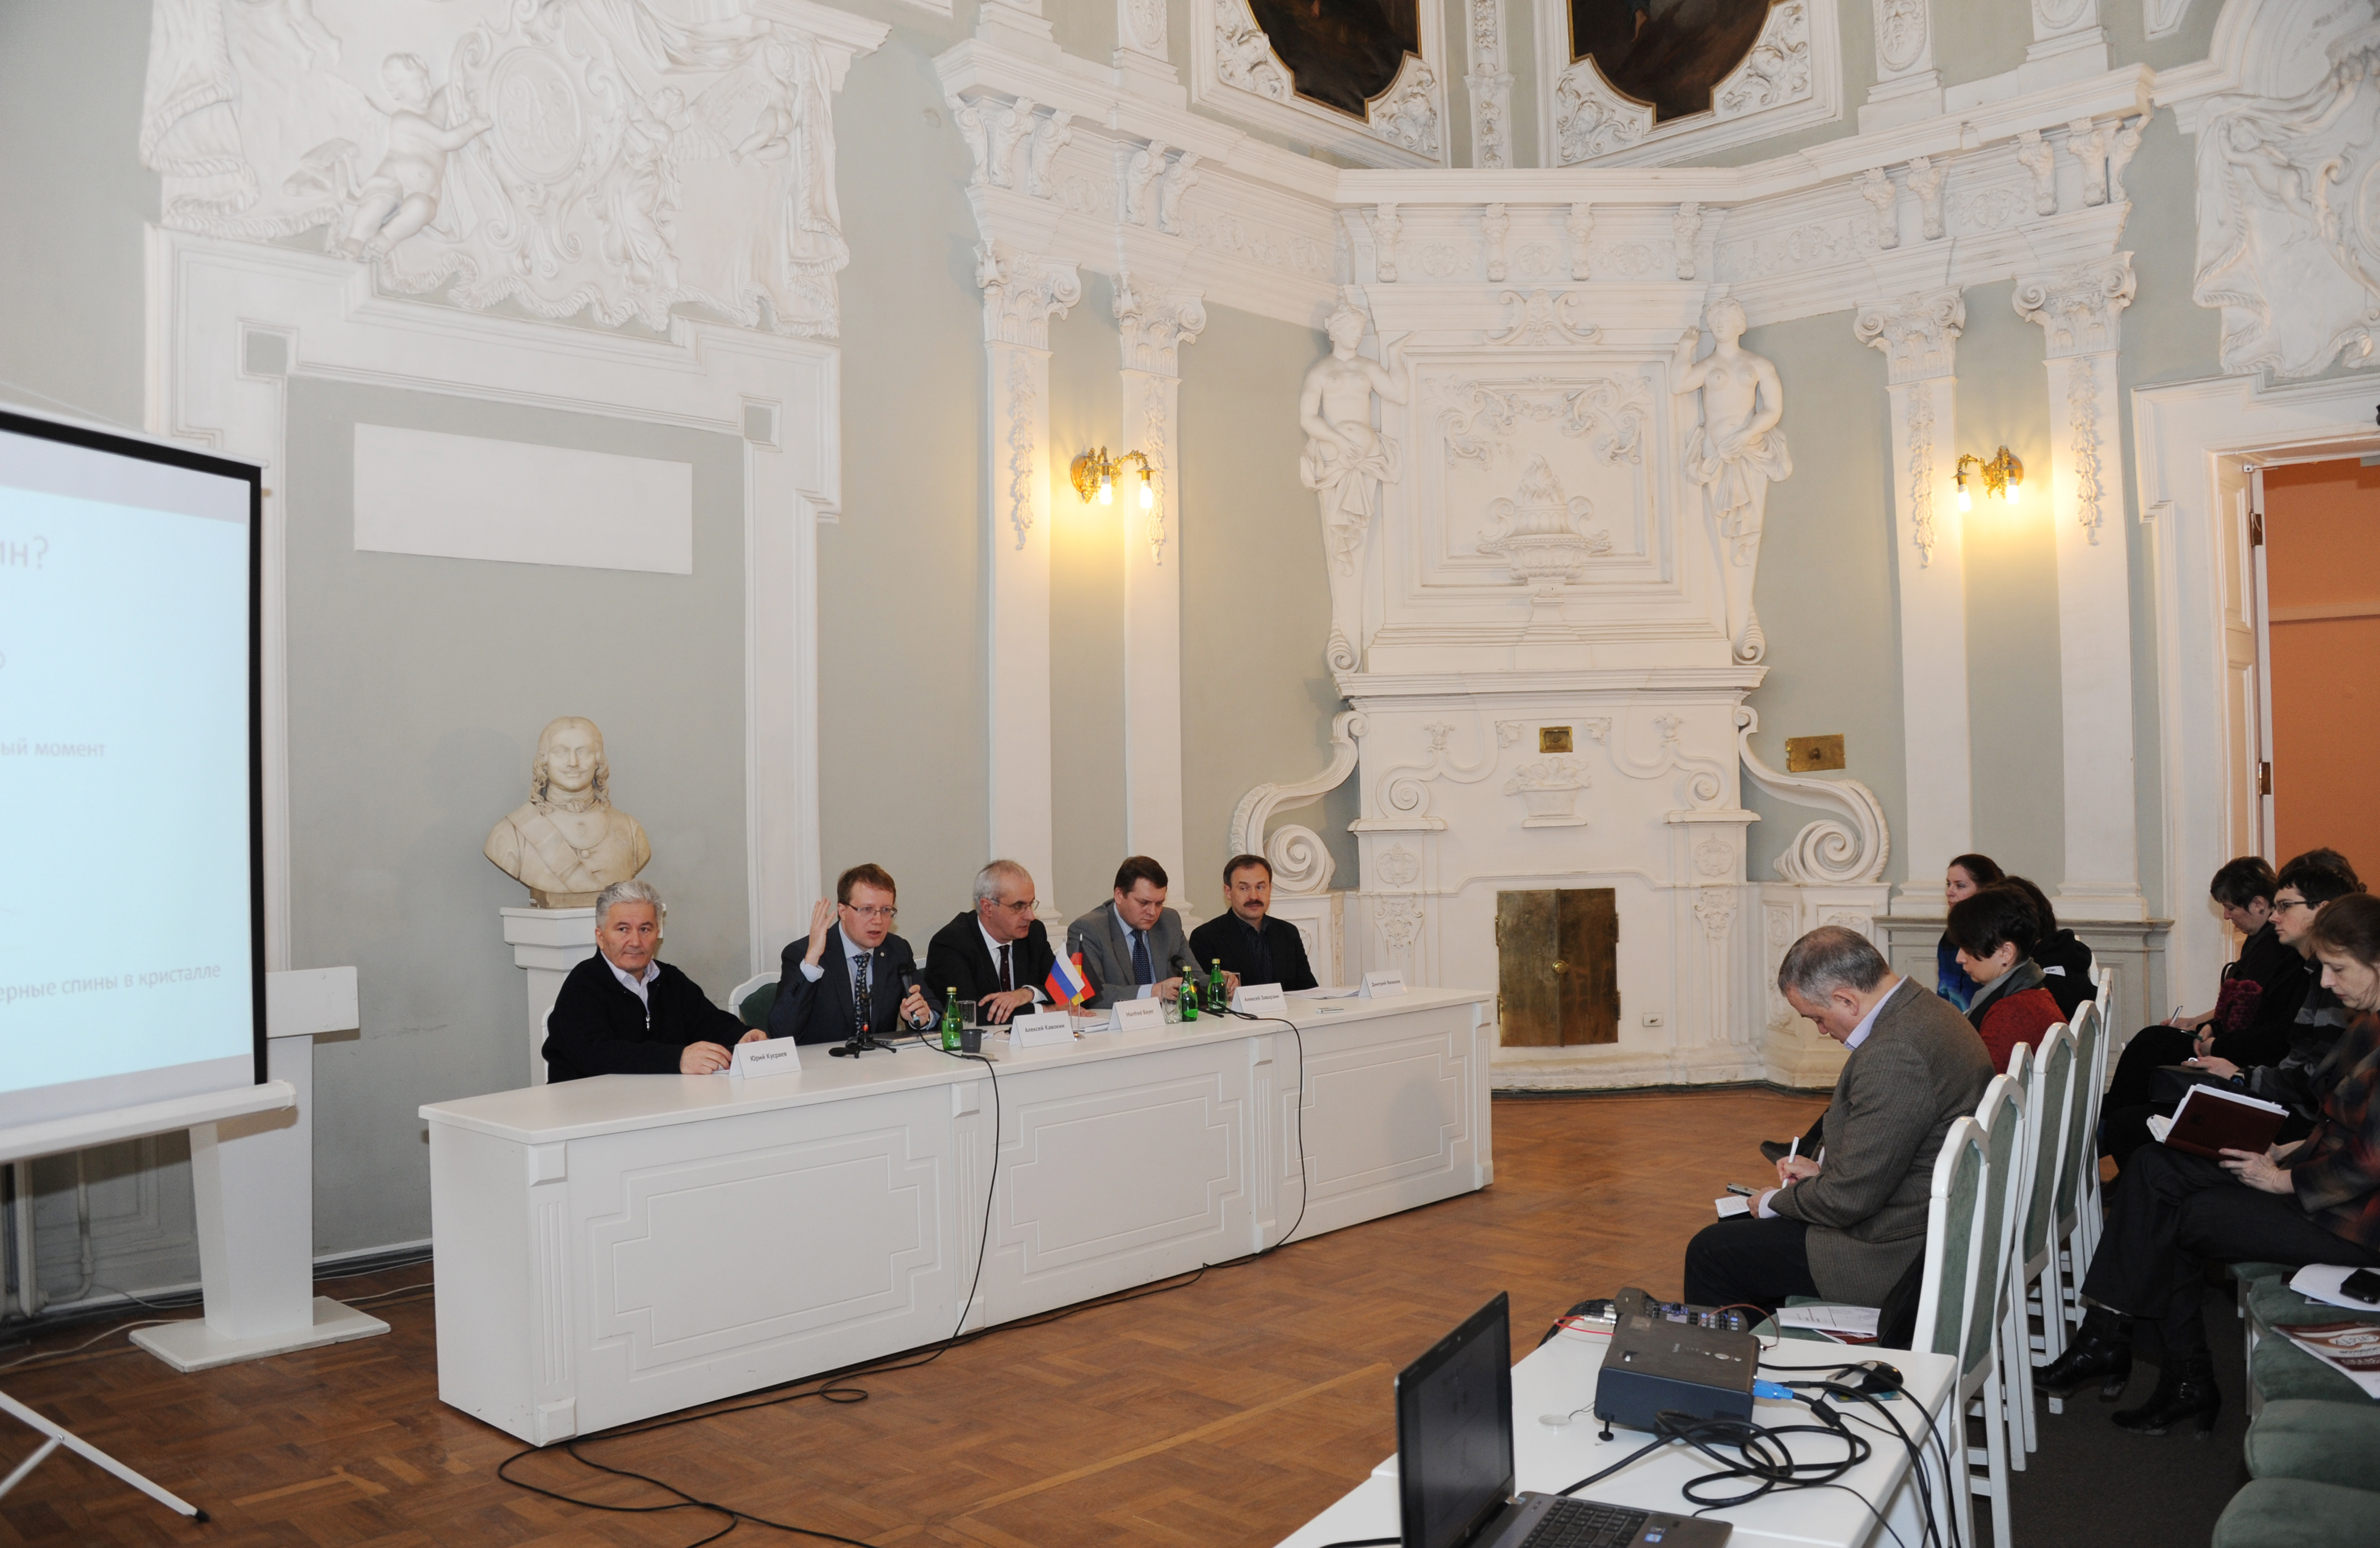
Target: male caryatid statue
1345	463
568	843
1736	452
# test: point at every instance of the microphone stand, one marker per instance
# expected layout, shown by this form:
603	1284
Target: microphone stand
868	1042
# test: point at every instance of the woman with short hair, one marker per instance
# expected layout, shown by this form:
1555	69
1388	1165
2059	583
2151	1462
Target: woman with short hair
1994	932
2315	1202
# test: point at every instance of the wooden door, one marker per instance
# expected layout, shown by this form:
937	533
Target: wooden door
1557	967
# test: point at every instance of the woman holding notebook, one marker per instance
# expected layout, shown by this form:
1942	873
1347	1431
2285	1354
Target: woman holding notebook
2315	1202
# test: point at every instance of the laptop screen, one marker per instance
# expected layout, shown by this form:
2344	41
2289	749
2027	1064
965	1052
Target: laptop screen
1454	1431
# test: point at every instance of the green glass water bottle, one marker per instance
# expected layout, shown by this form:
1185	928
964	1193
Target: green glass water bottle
1217	992
1189	999
950	1020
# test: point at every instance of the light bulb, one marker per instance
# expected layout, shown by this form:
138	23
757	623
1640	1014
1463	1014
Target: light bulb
2015	487
1966	501
1107	490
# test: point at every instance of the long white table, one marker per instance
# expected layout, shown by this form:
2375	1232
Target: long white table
1559	1378
612	1248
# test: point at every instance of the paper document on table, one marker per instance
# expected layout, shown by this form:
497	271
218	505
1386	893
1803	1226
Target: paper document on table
1846	1323
1327	992
2321	1281
2350	1348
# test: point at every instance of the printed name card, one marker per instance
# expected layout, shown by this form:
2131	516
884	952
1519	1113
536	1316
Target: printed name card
1379	986
1041	1029
776	1056
1137	1016
1261	999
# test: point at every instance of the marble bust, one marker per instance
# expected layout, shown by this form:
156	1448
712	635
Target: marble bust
568	842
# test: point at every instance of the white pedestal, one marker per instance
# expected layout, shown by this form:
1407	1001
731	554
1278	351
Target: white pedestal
253	1179
547	942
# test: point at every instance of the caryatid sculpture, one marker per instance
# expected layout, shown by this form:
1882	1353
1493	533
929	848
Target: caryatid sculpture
1345	463
568	842
1735	454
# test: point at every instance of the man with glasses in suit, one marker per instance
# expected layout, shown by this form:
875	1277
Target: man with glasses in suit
996	954
1132	946
841	983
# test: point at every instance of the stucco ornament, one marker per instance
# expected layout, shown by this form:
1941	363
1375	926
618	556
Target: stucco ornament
568	842
2289	231
1347	462
569	156
1735	454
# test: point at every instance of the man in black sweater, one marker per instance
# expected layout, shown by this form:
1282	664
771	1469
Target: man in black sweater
622	1013
1254	947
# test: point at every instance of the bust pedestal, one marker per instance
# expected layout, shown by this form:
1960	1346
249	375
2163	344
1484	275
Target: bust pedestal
547	942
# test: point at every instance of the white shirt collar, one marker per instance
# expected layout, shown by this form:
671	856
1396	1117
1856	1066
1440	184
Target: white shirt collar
1125	925
1867	1022
635	985
990	944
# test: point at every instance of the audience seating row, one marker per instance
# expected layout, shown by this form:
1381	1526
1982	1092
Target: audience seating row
2316	1437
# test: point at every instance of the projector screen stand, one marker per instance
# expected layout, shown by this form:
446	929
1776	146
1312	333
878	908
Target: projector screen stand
89	1453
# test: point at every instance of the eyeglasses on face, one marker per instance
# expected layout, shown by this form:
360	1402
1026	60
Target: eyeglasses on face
887	915
2283	904
1022	906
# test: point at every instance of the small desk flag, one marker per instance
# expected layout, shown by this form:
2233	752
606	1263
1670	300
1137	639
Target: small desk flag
1067	983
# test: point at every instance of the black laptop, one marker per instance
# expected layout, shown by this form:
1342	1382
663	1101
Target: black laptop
1454	1460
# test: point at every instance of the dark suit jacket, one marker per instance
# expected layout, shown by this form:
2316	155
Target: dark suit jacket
822	1012
1278	957
1921	1069
597	1027
957	955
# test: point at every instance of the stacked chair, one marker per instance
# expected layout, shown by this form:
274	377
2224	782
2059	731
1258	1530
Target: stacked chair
2050	1077
2314	1447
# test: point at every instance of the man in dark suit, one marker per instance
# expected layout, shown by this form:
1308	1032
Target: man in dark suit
1849	1229
996	954
842	982
622	1013
1131	945
1253	946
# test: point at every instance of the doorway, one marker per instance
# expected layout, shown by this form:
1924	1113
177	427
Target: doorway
1557	967
2319	570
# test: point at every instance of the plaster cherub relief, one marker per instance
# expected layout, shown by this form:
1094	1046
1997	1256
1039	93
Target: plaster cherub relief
1347	462
568	842
401	196
1735	454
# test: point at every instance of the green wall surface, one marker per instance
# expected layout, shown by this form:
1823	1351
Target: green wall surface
1827	588
417	690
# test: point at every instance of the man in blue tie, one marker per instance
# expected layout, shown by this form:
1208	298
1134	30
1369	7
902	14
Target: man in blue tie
1132	946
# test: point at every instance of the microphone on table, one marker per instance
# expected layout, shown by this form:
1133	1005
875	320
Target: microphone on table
909	981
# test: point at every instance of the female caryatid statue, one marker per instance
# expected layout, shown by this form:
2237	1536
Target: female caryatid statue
1346	462
1735	454
568	843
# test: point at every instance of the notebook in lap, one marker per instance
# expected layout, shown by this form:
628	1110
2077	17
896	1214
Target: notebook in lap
1454	1460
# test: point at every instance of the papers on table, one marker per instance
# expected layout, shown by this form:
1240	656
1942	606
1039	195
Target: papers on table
1327	992
2350	1348
2321	1281
1844	1325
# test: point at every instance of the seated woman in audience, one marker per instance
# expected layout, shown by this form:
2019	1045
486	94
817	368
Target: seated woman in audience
2315	1202
1993	933
1959	881
2243	889
2065	961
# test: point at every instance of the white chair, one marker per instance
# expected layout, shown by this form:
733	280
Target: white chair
1954	1260
2032	1248
2080	1216
1983	1381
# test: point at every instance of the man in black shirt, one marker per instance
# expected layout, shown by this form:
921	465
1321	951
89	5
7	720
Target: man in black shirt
622	1013
1254	947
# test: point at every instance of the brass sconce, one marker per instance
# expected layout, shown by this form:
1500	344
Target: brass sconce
1095	474
2003	478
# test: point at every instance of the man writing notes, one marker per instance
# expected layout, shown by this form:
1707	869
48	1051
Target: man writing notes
1254	947
622	1013
1132	946
996	953
841	983
1848	1228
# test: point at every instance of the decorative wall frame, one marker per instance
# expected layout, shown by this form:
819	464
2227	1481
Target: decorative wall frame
1791	78
1234	70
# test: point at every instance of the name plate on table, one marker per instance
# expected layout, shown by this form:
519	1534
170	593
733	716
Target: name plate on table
776	1056
1137	1016
1041	1029
1379	986
1261	999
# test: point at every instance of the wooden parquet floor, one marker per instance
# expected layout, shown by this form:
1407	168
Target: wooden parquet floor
1223	1414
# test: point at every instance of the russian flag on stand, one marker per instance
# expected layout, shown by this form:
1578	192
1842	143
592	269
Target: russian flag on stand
1067	983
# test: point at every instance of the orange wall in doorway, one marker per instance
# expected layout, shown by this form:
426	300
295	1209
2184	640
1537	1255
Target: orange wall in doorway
2321	552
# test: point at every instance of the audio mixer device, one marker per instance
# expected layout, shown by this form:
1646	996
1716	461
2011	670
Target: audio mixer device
1669	1357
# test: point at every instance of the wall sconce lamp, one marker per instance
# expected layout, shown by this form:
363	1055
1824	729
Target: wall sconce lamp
2002	477
1095	475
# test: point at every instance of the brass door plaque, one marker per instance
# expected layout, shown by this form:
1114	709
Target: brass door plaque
1804	753
1553	739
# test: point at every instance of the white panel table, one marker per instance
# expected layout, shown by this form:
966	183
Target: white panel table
613	1249
1559	1378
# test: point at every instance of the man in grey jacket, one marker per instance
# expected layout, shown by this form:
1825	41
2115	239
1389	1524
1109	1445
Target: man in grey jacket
1847	1228
1132	947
